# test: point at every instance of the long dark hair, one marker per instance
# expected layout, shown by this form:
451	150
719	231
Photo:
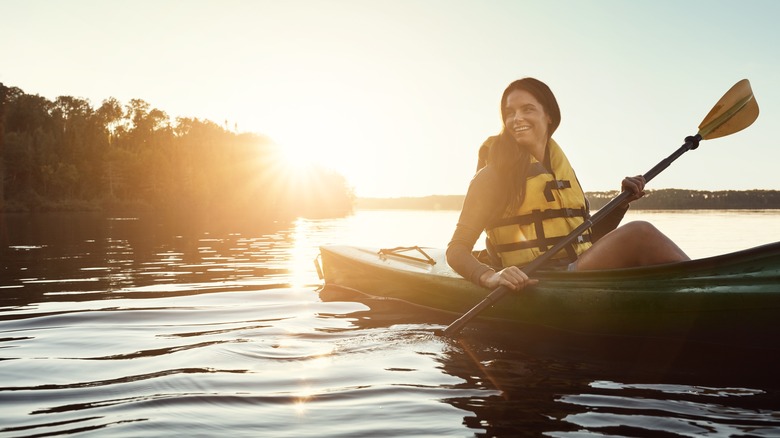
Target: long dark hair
510	160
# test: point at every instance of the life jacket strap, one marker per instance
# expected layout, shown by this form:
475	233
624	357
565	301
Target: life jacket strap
543	243
556	184
539	216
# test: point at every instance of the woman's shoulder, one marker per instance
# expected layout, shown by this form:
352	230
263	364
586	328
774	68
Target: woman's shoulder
486	176
485	186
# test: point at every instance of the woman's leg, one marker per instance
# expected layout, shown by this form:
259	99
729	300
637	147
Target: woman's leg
634	244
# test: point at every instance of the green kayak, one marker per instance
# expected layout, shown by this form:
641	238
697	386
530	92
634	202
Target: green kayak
732	298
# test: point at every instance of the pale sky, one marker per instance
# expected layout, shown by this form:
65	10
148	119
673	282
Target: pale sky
397	95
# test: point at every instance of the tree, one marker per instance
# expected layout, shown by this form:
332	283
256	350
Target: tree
65	150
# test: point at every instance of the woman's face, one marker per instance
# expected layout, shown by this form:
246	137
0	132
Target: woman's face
525	118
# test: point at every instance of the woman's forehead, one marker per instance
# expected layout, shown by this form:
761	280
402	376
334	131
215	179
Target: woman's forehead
521	97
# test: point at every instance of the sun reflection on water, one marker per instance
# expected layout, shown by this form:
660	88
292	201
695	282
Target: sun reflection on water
303	253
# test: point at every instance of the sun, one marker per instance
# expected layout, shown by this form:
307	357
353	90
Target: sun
324	134
301	154
297	160
305	153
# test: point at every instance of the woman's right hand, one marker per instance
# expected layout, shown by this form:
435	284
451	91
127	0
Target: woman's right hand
512	277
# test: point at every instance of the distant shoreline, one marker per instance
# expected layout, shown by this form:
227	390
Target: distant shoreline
663	199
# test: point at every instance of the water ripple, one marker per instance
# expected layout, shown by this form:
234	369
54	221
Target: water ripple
126	328
647	407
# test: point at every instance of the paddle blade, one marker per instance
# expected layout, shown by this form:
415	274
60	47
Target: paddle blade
735	111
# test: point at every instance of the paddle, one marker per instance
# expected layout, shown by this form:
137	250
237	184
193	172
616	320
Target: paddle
735	111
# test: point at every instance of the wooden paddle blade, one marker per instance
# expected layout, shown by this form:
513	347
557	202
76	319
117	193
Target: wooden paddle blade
735	111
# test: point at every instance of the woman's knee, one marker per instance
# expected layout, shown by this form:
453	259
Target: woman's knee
641	229
652	245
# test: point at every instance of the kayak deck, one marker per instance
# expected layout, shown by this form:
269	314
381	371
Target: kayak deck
728	298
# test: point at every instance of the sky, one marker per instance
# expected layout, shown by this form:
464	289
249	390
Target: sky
398	95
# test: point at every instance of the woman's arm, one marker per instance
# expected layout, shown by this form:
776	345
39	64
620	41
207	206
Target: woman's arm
478	205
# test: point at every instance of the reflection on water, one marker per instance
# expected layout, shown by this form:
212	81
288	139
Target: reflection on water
129	327
685	410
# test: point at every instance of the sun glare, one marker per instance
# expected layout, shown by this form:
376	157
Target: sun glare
327	134
303	155
299	158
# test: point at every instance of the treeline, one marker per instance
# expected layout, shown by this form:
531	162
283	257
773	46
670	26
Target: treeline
66	154
664	199
679	199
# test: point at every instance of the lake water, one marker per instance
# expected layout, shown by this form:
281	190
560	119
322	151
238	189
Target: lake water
124	327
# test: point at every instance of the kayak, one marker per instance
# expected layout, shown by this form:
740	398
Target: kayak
732	298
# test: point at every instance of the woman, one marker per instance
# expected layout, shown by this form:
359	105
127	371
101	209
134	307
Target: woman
527	196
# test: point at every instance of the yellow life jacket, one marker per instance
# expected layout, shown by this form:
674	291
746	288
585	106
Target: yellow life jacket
554	206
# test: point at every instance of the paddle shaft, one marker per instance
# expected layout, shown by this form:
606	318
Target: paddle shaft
453	329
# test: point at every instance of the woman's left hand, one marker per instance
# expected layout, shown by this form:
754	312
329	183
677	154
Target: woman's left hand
635	185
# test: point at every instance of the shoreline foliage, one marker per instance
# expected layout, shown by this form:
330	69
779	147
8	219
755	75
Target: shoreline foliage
66	155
